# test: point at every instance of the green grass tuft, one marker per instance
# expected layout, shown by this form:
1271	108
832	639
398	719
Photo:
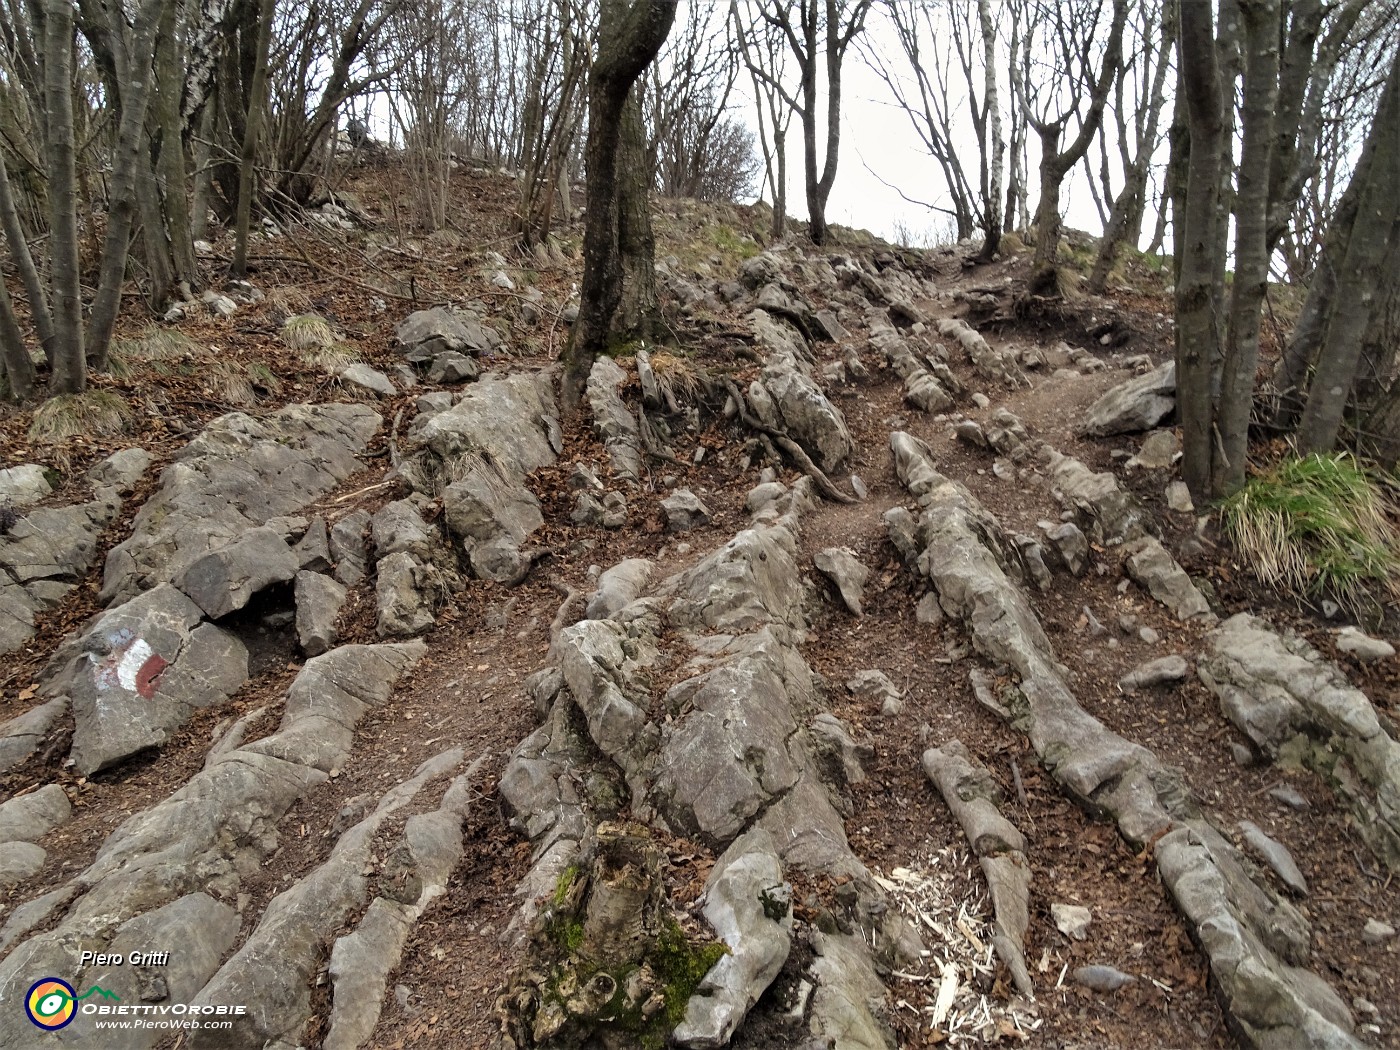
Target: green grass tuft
93	413
1318	527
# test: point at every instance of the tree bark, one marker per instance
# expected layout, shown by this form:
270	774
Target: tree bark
1197	329
1261	26
19	366
13	230
251	129
66	360
133	55
630	33
995	149
1359	277
1125	217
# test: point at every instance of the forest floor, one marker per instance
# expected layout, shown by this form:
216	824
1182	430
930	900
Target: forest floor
488	638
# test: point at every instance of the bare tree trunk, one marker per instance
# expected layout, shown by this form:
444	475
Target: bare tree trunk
19	366
132	50
1359	276
630	33
1261	26
66	360
1197	328
251	130
13	230
1125	217
1056	163
639	310
174	179
993	156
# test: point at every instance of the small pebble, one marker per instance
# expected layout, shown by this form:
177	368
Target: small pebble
1102	978
1289	797
1148	635
1377	932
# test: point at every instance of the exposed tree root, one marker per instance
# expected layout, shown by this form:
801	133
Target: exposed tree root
792	448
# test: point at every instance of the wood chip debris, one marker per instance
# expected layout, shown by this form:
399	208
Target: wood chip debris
943	894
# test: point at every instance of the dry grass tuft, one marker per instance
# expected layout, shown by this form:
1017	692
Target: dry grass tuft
93	413
307	332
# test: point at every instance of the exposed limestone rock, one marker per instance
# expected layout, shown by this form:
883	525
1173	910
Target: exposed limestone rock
1070	545
1297	707
789	398
227	817
922	388
425	334
841	566
120	471
1106	510
1158	452
1276	856
731	757
22	735
398	528
23	485
318	601
749	907
233	477
994	364
876	686
972	796
613	422
43	556
272	971
19	861
138	672
450	367
417	873
618	588
28	818
684	511
501	430
313	550
1157	572
1162	671
1255	941
1362	646
1139	404
224	580
405	590
370	380
348	549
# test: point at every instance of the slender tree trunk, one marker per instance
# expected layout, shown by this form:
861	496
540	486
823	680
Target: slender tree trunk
19	366
13	230
630	33
1125	218
66	362
1197	327
134	59
1359	277
174	179
991	102
1261	23
251	130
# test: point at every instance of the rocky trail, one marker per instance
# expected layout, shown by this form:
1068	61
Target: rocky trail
858	679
